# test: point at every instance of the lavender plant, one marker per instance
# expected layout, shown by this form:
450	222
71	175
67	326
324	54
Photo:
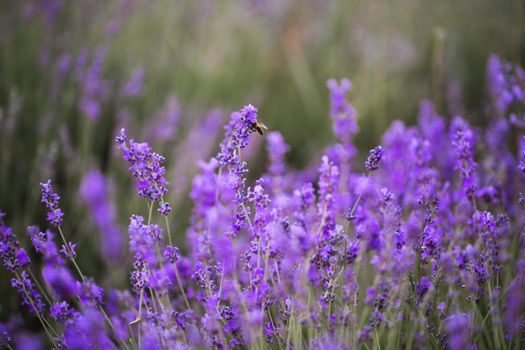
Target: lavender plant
420	246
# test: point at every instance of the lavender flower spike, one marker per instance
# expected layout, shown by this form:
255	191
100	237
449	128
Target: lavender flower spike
237	134
147	167
50	199
375	157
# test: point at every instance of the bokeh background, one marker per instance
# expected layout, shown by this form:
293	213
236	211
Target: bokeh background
72	73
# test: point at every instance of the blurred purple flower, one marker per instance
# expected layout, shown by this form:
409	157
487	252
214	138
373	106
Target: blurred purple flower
94	191
133	87
458	329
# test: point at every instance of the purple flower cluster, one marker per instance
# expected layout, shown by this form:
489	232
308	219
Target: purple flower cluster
62	312
236	138
50	199
342	112
507	89
237	134
30	297
422	246
375	157
146	166
13	256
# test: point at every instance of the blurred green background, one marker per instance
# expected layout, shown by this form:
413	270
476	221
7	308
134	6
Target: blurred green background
199	55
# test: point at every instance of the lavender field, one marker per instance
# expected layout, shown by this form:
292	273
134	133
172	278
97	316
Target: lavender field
262	175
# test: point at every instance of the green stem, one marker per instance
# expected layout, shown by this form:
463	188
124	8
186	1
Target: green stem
40	318
150	211
352	211
181	287
377	339
139	318
42	291
70	253
168	230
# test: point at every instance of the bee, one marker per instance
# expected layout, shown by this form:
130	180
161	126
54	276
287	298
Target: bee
258	127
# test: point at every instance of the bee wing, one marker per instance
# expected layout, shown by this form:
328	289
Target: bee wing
262	125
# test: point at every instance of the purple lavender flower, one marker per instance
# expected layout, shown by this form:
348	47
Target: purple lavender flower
31	298
147	168
364	334
204	189
13	256
93	190
434	129
521	164
199	144
22	259
69	251
171	254
50	199
375	157
276	149
506	86
43	242
328	181
164	208
341	111
376	318
87	331
95	88
351	252
29	341
134	85
143	239
464	143
236	138
502	97
515	306
90	293
165	124
270	331
431	242
6	329
399	238
458	330
261	202
60	281
423	286
63	312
